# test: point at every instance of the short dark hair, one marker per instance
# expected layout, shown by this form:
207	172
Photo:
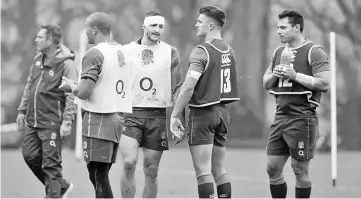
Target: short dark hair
214	13
293	17
153	13
53	31
102	21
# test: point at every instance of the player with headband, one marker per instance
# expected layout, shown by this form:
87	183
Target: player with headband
156	80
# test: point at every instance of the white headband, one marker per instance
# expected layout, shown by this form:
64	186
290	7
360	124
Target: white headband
153	20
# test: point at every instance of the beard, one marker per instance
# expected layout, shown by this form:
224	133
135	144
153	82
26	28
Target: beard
150	38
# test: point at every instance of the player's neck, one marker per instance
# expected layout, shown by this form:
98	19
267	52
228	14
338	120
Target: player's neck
297	42
213	35
51	52
145	41
102	38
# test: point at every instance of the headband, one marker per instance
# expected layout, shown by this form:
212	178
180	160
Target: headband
153	20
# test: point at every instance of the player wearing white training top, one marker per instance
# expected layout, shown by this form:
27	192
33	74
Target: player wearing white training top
104	90
157	77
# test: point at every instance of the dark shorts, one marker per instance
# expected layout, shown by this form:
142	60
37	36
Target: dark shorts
104	126
208	125
293	135
148	127
101	135
98	150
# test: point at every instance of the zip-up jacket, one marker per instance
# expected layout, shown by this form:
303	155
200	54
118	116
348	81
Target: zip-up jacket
44	105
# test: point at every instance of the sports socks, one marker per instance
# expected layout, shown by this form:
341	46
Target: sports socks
303	189
278	187
205	186
224	188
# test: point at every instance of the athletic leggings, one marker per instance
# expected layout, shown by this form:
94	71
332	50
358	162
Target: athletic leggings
99	176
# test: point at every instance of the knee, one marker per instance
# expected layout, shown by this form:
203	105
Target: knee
299	170
218	171
129	166
204	168
151	171
273	170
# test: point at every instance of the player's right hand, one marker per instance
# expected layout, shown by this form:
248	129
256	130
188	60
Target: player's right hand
182	135
20	120
177	129
175	126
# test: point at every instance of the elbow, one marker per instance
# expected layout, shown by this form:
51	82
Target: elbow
81	95
326	86
188	91
325	89
263	82
322	88
185	88
266	86
266	83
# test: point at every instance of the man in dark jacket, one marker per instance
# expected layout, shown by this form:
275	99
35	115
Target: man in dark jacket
46	113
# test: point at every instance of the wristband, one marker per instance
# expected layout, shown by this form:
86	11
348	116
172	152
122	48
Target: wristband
305	80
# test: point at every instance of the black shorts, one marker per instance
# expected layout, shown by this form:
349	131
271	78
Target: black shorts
148	127
293	135
208	125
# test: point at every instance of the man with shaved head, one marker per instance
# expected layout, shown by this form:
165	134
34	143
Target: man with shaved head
103	92
156	79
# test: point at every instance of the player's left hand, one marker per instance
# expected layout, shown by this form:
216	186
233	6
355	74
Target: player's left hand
66	84
65	129
288	72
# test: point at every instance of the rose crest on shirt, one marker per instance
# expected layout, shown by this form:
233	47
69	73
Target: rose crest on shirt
147	57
